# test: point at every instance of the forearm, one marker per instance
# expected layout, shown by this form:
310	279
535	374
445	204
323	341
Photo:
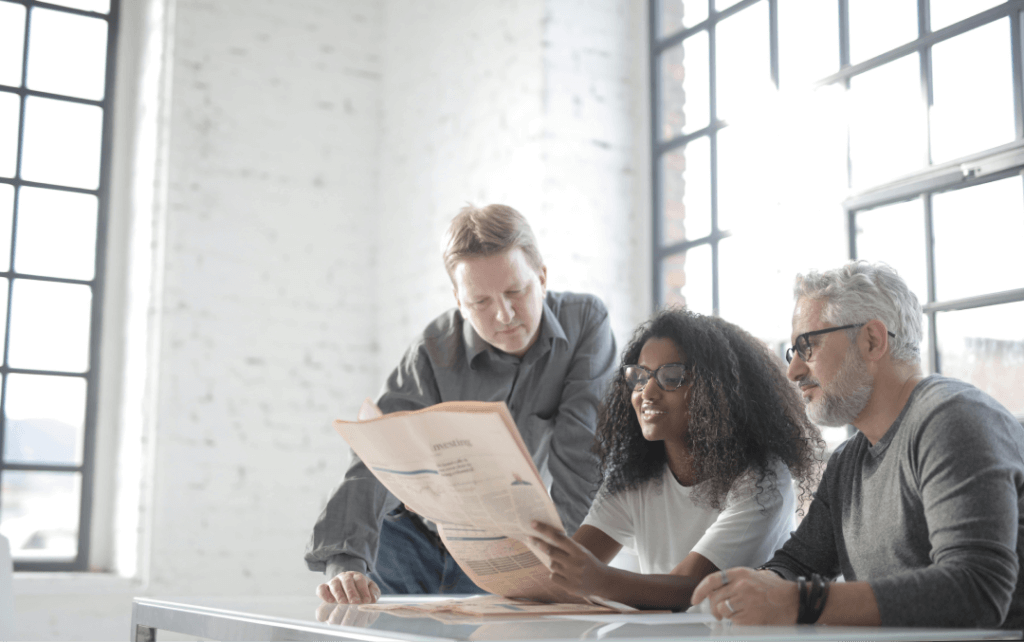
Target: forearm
647	591
851	603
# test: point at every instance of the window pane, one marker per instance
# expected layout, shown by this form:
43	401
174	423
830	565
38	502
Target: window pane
98	6
39	514
946	12
687	196
685	87
45	419
876	26
10	111
62	143
895	234
743	62
887	123
50	326
6	220
12	42
721	5
808	41
676	14
56	233
687	279
67	54
973	92
755	291
978	232
985	346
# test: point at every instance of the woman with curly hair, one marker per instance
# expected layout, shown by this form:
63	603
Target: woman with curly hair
700	438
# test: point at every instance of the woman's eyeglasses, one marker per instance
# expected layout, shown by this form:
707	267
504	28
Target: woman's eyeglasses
669	376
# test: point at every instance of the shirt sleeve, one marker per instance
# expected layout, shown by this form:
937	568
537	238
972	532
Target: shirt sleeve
968	465
346	535
812	547
572	462
613	516
749	527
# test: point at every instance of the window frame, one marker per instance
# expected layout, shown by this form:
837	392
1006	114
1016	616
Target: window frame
91	376
968	171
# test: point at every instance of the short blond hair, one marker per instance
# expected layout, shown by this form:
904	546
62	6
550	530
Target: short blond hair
485	231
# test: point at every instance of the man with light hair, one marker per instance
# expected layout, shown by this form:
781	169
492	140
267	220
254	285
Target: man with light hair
548	355
920	511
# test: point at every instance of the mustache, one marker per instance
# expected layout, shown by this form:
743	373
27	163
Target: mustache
807	382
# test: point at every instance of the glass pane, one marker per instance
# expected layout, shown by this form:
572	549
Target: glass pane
743	63
98	6
686	177
985	346
62	143
67	54
6	220
50	326
973	92
808	41
10	111
946	12
685	87
876	26
45	419
887	122
721	5
56	233
676	14
687	279
12	42
39	514
978	232
754	291
895	235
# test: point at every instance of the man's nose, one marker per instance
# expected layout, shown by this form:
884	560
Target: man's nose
505	312
797	368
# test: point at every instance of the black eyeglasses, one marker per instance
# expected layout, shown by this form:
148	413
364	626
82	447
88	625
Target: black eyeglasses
669	376
802	345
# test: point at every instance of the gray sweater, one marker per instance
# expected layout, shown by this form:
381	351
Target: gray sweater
930	516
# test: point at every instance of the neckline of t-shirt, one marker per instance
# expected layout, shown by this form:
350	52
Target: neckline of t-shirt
883	444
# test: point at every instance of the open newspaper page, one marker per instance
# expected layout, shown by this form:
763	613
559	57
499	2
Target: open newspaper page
464	466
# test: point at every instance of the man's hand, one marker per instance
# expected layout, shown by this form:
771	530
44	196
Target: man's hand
572	567
350	587
749	597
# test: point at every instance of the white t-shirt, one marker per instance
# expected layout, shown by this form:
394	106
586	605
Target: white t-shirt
662	524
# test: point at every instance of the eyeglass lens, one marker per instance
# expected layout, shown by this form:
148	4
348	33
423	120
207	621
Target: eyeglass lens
669	376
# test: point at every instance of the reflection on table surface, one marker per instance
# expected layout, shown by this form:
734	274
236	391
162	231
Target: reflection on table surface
306	612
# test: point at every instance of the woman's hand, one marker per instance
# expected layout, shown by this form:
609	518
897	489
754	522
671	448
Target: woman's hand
746	596
572	566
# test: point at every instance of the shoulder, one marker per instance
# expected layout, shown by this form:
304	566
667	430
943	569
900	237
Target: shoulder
575	305
441	341
949	413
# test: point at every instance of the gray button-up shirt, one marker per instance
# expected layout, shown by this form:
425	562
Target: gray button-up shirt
553	393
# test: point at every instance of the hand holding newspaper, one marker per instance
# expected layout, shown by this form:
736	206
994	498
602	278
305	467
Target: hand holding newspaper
464	466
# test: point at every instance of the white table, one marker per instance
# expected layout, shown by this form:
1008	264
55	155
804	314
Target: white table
297	618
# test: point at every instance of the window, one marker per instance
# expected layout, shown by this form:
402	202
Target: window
794	134
56	78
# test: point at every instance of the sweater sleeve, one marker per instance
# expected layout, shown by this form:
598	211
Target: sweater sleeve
966	460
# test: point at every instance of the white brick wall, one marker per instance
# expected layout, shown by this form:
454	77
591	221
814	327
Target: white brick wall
316	150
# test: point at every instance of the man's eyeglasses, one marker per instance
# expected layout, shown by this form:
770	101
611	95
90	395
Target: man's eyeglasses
802	345
669	376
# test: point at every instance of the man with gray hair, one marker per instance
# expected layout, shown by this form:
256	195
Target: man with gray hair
920	511
548	355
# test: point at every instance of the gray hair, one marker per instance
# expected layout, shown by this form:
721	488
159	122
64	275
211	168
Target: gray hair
861	291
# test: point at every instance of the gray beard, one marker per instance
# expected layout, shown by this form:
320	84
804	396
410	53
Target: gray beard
846	396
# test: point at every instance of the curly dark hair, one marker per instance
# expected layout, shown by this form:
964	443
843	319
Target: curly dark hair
744	414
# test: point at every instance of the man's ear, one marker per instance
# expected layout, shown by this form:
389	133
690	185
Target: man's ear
878	339
542	276
455	293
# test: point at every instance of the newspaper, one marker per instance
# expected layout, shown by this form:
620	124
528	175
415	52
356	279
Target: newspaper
464	466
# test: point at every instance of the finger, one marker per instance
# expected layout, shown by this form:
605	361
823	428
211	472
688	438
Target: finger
324	611
705	588
362	584
351	587
374	591
324	593
338	590
549	532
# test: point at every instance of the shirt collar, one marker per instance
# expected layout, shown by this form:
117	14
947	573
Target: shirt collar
550	329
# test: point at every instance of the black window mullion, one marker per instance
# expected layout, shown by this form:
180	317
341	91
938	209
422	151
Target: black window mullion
654	78
927	86
929	254
1016	45
773	40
